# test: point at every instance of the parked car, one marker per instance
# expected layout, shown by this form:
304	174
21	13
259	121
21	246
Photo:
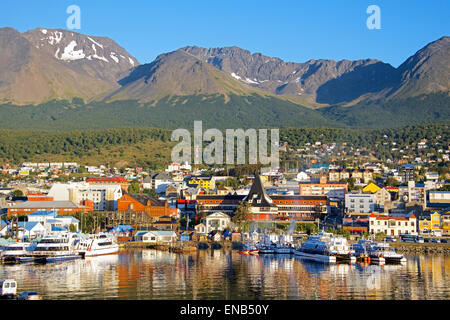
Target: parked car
29	295
390	239
444	241
427	240
435	240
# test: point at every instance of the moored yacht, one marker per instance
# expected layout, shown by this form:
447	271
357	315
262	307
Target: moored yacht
363	250
53	248
18	252
341	249
97	245
317	248
389	254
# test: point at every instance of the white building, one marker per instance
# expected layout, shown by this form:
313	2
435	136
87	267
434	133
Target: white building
104	197
217	221
52	223
359	203
392	226
159	236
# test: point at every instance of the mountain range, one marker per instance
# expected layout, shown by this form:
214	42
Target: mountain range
42	66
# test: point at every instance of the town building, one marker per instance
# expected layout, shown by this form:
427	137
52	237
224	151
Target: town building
121	181
407	173
323	188
430	224
217	221
103	197
61	207
393	226
157	182
359	203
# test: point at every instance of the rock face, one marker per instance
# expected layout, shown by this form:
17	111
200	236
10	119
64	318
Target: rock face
426	71
331	82
323	81
177	73
44	64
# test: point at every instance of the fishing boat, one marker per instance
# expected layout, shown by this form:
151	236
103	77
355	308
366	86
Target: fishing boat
363	251
54	248
19	252
97	245
283	247
317	248
265	246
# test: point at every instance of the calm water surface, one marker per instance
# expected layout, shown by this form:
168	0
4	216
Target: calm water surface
219	274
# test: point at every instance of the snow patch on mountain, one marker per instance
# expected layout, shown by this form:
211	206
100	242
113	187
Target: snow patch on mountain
71	54
101	46
55	37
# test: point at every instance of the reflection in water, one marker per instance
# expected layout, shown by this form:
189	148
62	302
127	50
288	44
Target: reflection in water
219	274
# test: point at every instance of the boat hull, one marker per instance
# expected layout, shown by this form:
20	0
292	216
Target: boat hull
56	258
345	258
283	250
395	260
100	252
316	257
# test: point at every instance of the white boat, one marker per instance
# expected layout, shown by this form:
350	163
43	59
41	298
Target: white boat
97	245
383	249
53	248
363	250
317	248
18	252
341	249
265	246
283	247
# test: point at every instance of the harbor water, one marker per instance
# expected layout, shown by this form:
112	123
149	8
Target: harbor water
225	274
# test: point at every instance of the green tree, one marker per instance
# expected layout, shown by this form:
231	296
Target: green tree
72	228
242	216
18	193
134	187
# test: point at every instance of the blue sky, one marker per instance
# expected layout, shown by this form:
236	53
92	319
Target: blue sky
293	30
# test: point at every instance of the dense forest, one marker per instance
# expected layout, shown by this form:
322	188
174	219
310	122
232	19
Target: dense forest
216	111
151	147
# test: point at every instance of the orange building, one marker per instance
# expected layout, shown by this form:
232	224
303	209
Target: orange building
144	203
124	184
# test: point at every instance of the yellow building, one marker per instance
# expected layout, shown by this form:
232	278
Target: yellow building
201	182
371	188
430	225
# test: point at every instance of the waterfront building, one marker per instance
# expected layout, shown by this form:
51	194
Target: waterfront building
217	221
155	236
143	203
430	223
263	206
393	226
